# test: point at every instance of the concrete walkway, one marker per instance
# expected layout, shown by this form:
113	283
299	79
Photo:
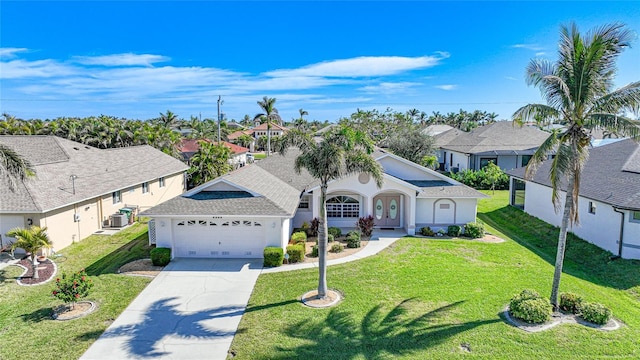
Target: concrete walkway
192	309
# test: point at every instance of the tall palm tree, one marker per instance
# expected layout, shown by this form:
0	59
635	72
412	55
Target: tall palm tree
13	167
342	152
269	114
169	120
209	162
577	89
31	240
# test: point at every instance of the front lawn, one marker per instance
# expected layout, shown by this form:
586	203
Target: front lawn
26	328
433	299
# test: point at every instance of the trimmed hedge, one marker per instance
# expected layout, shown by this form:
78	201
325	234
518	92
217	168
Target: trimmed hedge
595	313
160	256
454	230
336	248
299	237
336	232
353	239
530	307
570	302
273	256
426	231
296	253
474	230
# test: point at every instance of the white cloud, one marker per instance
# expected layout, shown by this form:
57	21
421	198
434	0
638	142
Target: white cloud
511	78
17	69
127	59
362	66
11	52
532	47
389	87
541	53
446	87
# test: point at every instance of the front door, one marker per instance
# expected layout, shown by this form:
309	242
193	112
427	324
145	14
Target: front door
386	210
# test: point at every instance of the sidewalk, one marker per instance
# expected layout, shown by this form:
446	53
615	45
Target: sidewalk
380	239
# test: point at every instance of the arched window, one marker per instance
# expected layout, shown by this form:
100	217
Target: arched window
343	207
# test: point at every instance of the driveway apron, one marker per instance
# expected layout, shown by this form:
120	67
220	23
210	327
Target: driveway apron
191	310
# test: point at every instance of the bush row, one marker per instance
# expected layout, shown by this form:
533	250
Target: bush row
472	230
592	312
481	179
530	307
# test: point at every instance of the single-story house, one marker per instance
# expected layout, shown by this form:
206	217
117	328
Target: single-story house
609	201
240	213
188	147
78	187
507	145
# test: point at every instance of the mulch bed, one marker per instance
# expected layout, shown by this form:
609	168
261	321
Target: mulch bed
46	271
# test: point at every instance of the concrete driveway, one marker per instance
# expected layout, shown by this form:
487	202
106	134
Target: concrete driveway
191	310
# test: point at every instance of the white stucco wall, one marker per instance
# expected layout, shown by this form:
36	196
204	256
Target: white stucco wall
465	212
601	228
460	160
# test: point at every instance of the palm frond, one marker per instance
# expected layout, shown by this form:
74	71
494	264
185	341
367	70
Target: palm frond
531	111
542	153
624	98
615	124
361	162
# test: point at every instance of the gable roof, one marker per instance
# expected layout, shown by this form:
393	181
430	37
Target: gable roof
500	137
192	146
274	126
97	171
436	129
611	175
237	134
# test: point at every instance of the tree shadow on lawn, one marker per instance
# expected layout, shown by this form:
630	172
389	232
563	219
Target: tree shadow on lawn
137	248
339	336
582	259
38	315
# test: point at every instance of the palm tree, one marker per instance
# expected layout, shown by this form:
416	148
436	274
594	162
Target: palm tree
577	88
169	120
31	240
209	162
342	152
270	113
13	167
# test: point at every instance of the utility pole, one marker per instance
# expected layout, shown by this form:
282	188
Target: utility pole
220	102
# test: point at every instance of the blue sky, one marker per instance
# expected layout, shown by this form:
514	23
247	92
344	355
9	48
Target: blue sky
137	59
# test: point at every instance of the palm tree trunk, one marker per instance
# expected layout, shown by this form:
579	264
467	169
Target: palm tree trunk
322	243
34	266
268	139
562	243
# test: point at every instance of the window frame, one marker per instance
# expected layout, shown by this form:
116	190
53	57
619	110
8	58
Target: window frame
145	187
592	208
116	197
161	182
632	216
305	199
338	209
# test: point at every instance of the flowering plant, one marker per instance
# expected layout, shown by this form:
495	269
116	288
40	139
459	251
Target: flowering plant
70	288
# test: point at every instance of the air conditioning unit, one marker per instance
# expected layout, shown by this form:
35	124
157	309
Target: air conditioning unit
118	220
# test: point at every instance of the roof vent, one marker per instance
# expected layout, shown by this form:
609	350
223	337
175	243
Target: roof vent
75	148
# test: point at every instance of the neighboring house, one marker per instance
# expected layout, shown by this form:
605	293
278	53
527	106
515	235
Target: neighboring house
434	130
258	131
188	147
78	187
508	146
240	213
609	202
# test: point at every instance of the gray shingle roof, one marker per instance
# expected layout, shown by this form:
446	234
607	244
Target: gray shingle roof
283	168
500	137
97	171
611	175
441	188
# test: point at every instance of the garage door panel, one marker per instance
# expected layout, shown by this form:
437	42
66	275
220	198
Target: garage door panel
228	238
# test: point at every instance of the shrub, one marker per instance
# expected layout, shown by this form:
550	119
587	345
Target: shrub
365	225
71	288
454	230
330	238
313	229
273	256
296	253
595	313
530	307
336	248
483	179
474	230
314	251
306	228
160	256
336	232
426	231
298	237
570	302
353	239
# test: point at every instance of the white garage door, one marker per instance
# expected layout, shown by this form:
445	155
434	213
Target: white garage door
220	238
7	223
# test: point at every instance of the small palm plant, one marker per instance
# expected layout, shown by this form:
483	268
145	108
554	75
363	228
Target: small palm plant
31	240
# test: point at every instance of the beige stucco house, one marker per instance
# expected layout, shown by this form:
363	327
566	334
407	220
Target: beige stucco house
77	187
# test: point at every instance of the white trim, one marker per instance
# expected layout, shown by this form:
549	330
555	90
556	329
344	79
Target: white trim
419	167
198	189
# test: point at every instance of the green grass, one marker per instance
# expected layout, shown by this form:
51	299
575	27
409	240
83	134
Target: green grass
259	156
26	328
430	299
